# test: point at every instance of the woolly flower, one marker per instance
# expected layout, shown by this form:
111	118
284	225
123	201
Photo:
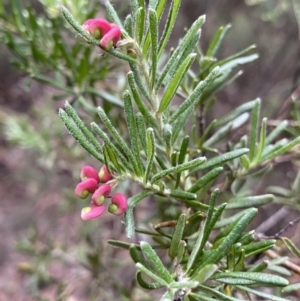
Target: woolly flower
104	175
118	204
100	194
88	172
97	27
92	212
85	187
108	33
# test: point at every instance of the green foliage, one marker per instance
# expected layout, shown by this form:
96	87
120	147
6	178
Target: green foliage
147	133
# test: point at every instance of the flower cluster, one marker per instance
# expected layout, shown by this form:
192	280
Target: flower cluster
90	185
108	33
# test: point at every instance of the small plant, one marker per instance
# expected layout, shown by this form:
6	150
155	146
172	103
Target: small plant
150	106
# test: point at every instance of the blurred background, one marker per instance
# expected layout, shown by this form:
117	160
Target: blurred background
47	252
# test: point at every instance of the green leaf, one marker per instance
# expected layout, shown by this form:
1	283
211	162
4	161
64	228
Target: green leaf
128	25
79	136
261	278
177	236
251	201
282	150
139	24
153	27
277	131
261	294
173	62
206	273
206	179
180	251
98	131
184	284
235	113
138	100
150	153
174	84
72	113
204	233
291	288
150	274
158	266
218	135
136	255
217	40
254	129
169	26
179	194
167	134
233	236
129	219
178	168
191	101
141	128
146	285
132	129
159	7
118	139
222	159
111	161
235	56
291	246
181	157
258	247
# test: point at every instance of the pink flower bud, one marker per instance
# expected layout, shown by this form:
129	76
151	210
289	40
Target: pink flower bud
88	172
85	187
92	212
111	38
97	27
118	205
100	194
104	175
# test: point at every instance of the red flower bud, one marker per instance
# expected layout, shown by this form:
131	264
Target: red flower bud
97	27
88	172
104	175
119	204
85	187
92	212
111	38
100	194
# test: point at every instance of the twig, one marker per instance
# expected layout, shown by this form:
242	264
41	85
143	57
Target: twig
288	264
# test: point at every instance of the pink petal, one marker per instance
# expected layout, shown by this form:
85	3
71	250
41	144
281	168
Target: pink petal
89	172
101	193
92	212
85	187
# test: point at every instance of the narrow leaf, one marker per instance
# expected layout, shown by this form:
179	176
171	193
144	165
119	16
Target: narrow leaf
132	129
153	27
191	101
174	84
158	266
291	246
251	201
261	294
217	40
169	25
150	274
150	153
79	136
138	100
177	236
118	138
178	168
172	63
222	159
254	129
206	179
